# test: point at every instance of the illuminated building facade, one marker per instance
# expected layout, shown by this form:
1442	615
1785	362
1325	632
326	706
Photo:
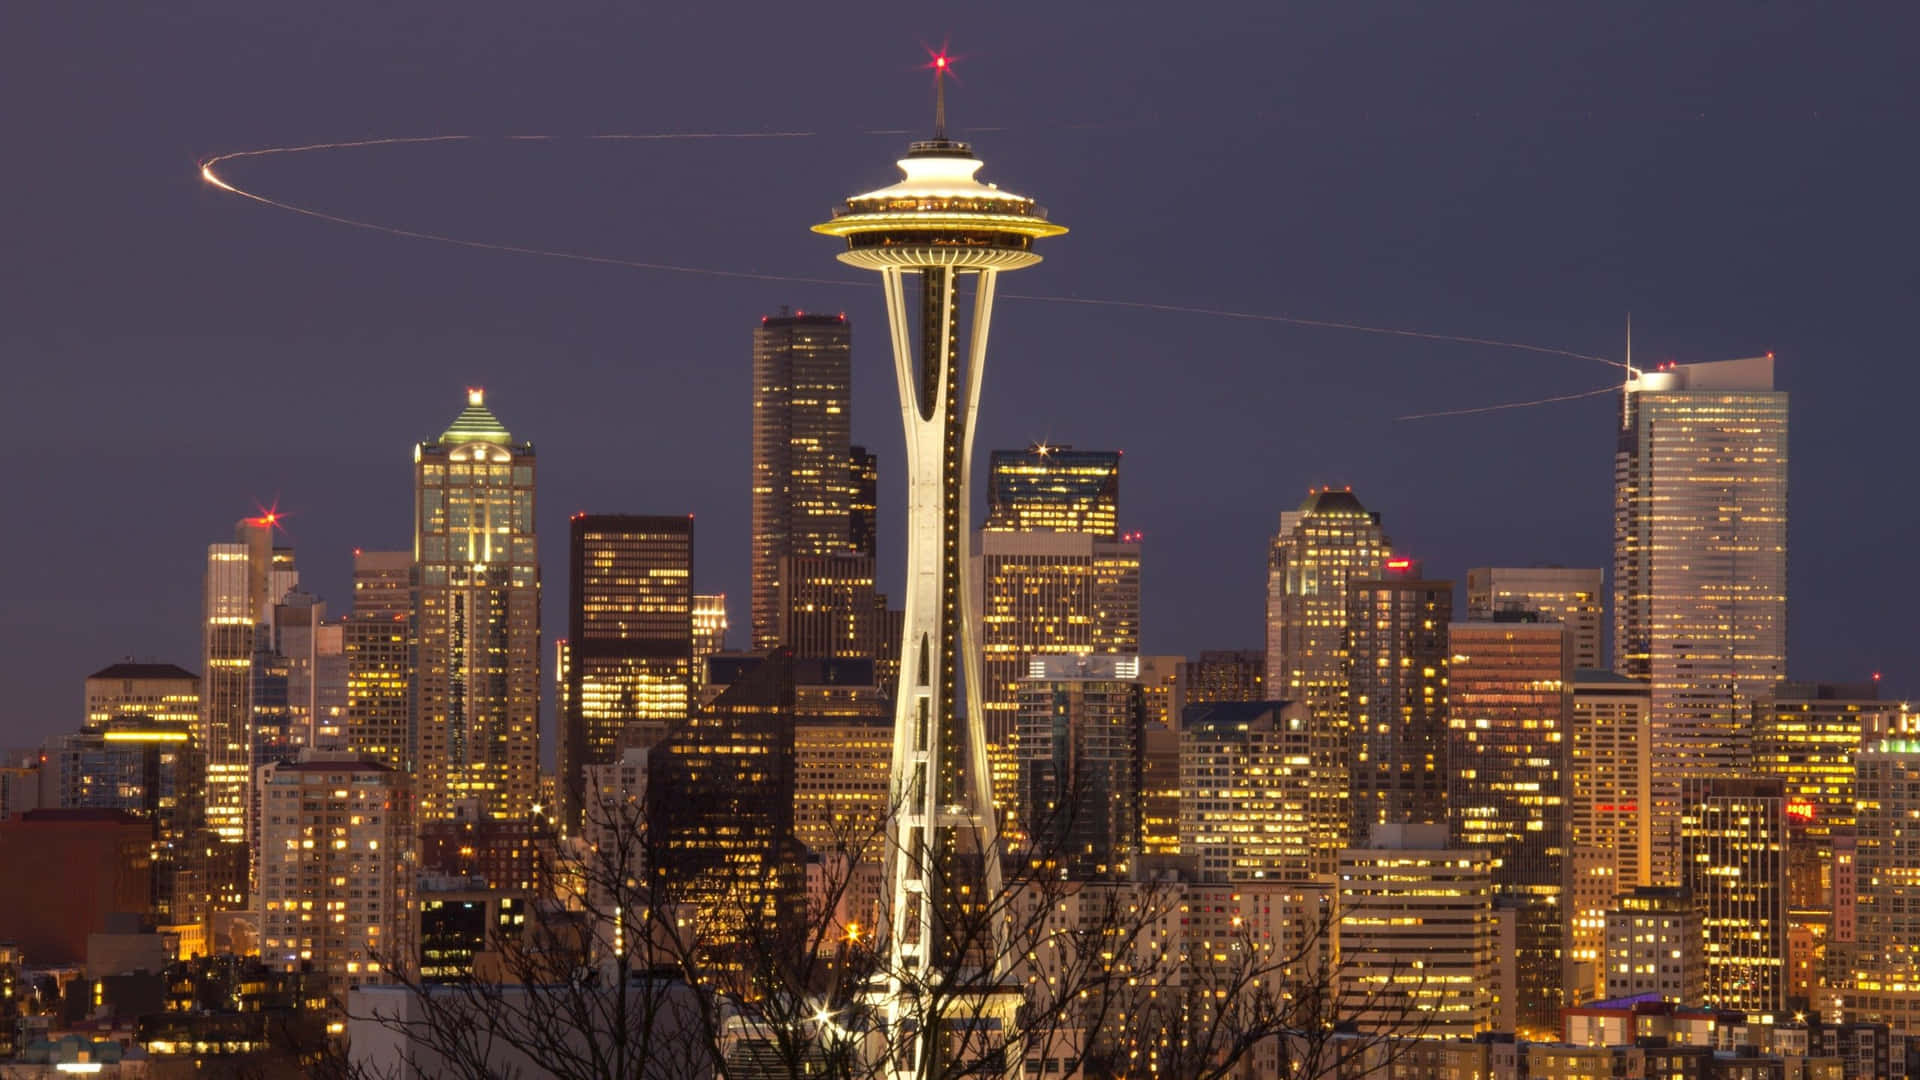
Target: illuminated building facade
1159	789
1082	722
1048	594
1247	788
312	650
1885	950
1054	489
709	632
802	463
1409	894
1574	597
1807	736
628	654
335	884
502	853
1397	696
461	927
1654	945
163	693
923	234
1700	565
720	809
840	783
1329	540
1610	841
1509	706
377	637
1220	675
863	502
1733	846
477	616
828	609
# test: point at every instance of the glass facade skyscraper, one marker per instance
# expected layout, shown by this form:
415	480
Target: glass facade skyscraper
1054	489
477	613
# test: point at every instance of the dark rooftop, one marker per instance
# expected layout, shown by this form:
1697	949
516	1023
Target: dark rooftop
127	669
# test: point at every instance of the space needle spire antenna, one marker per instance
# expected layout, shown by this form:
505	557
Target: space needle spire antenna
922	234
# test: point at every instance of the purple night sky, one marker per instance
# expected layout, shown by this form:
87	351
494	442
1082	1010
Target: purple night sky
1740	177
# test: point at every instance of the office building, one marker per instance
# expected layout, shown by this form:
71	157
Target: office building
1574	597
90	867
802	463
1807	736
160	692
709	631
1700	565
1082	723
1733	844
1248	789
1509	706
1219	675
501	853
477	617
628	654
335	883
1411	896
1397	696
828	608
1885	949
377	637
1654	944
1330	539
863	502
1048	594
312	650
1610	841
1054	489
720	810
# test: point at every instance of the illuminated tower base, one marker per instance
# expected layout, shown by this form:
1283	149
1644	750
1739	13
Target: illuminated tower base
923	234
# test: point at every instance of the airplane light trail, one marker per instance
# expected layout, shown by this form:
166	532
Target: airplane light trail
210	175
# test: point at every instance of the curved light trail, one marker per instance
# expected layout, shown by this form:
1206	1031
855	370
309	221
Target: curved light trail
209	173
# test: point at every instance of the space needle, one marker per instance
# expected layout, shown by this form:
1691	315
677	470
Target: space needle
923	234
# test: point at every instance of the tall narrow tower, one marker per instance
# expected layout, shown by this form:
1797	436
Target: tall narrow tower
923	234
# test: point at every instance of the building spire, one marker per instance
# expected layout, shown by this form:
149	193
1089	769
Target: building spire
940	94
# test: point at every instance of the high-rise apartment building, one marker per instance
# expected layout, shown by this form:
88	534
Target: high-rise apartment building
477	617
1416	935
628	654
1397	697
1733	846
1885	949
1329	540
1654	945
1054	489
1575	597
802	463
1048	593
863	502
1610	842
1082	725
377	637
1700	565
1248	789
1510	703
335	882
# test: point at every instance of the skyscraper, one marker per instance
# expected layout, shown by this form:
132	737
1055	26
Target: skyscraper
1700	564
1082	723
160	692
1574	597
863	502
477	614
802	463
828	608
1330	540
1054	489
1509	703
1219	675
1247	789
1733	841
1610	842
1886	931
379	643
709	632
1397	694
628	654
1807	736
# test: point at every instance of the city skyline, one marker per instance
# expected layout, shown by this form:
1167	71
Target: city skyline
1206	539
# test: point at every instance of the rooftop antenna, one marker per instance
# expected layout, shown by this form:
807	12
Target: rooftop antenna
1626	414
942	64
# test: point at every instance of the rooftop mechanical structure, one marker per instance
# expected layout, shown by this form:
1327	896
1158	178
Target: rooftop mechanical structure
923	234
